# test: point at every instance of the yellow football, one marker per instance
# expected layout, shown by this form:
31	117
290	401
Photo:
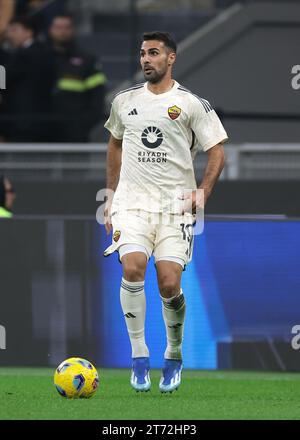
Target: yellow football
76	378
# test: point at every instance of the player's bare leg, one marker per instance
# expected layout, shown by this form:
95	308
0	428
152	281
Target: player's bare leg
134	266
133	303
173	306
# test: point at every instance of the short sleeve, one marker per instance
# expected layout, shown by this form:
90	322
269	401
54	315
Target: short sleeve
114	122
206	125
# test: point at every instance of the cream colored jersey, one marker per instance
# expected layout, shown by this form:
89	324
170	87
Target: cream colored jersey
161	135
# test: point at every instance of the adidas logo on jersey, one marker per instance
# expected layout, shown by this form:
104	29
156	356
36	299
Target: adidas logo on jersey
133	112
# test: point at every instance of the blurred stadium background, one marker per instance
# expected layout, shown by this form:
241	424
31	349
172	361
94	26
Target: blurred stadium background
243	284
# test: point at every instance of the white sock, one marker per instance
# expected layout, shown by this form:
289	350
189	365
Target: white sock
174	314
133	302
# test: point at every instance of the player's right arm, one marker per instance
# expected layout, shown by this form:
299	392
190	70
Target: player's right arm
114	156
113	167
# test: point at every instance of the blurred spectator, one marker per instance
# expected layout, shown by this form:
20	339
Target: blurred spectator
29	82
7	198
42	11
80	84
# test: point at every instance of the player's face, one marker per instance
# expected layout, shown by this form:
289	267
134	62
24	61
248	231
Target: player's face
156	60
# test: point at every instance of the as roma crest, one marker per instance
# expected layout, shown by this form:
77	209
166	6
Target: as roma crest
116	235
174	112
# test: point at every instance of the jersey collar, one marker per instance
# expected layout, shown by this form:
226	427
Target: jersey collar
160	95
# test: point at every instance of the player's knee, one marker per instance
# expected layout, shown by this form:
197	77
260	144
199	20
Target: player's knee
133	271
169	286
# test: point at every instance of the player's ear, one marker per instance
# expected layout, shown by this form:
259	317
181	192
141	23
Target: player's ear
172	58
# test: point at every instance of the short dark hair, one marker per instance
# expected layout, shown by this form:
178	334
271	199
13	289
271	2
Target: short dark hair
165	37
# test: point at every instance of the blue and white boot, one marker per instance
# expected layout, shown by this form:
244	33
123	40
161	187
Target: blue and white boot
140	378
171	376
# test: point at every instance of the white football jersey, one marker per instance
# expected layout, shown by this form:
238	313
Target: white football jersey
161	135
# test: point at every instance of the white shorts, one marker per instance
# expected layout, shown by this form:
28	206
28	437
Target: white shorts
166	237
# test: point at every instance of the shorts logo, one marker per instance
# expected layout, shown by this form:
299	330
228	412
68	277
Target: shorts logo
152	137
174	112
116	236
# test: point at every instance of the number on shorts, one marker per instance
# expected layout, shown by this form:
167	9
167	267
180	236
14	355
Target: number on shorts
188	234
187	231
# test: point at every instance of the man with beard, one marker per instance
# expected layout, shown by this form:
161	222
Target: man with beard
156	129
78	97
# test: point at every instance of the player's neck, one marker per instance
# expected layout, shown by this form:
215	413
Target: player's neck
165	85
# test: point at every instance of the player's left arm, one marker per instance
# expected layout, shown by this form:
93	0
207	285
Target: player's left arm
211	136
215	164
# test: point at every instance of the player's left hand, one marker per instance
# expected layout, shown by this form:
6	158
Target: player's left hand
193	201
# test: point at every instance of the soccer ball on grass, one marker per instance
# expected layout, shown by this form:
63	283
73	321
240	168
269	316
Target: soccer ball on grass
76	378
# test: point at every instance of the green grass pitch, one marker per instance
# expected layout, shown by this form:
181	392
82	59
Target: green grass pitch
29	393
